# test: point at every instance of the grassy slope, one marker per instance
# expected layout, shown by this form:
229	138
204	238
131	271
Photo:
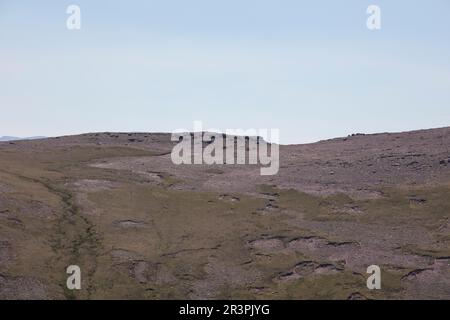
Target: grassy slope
191	244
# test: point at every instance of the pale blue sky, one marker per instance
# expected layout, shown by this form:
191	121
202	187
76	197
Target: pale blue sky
310	68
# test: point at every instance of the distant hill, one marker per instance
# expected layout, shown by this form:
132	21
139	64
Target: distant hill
9	138
141	226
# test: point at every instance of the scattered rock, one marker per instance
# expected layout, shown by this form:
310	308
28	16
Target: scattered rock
267	245
415	273
356	296
229	198
308	268
145	272
130	224
415	200
93	185
326	269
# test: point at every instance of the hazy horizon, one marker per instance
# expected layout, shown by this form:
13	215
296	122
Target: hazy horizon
9	137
